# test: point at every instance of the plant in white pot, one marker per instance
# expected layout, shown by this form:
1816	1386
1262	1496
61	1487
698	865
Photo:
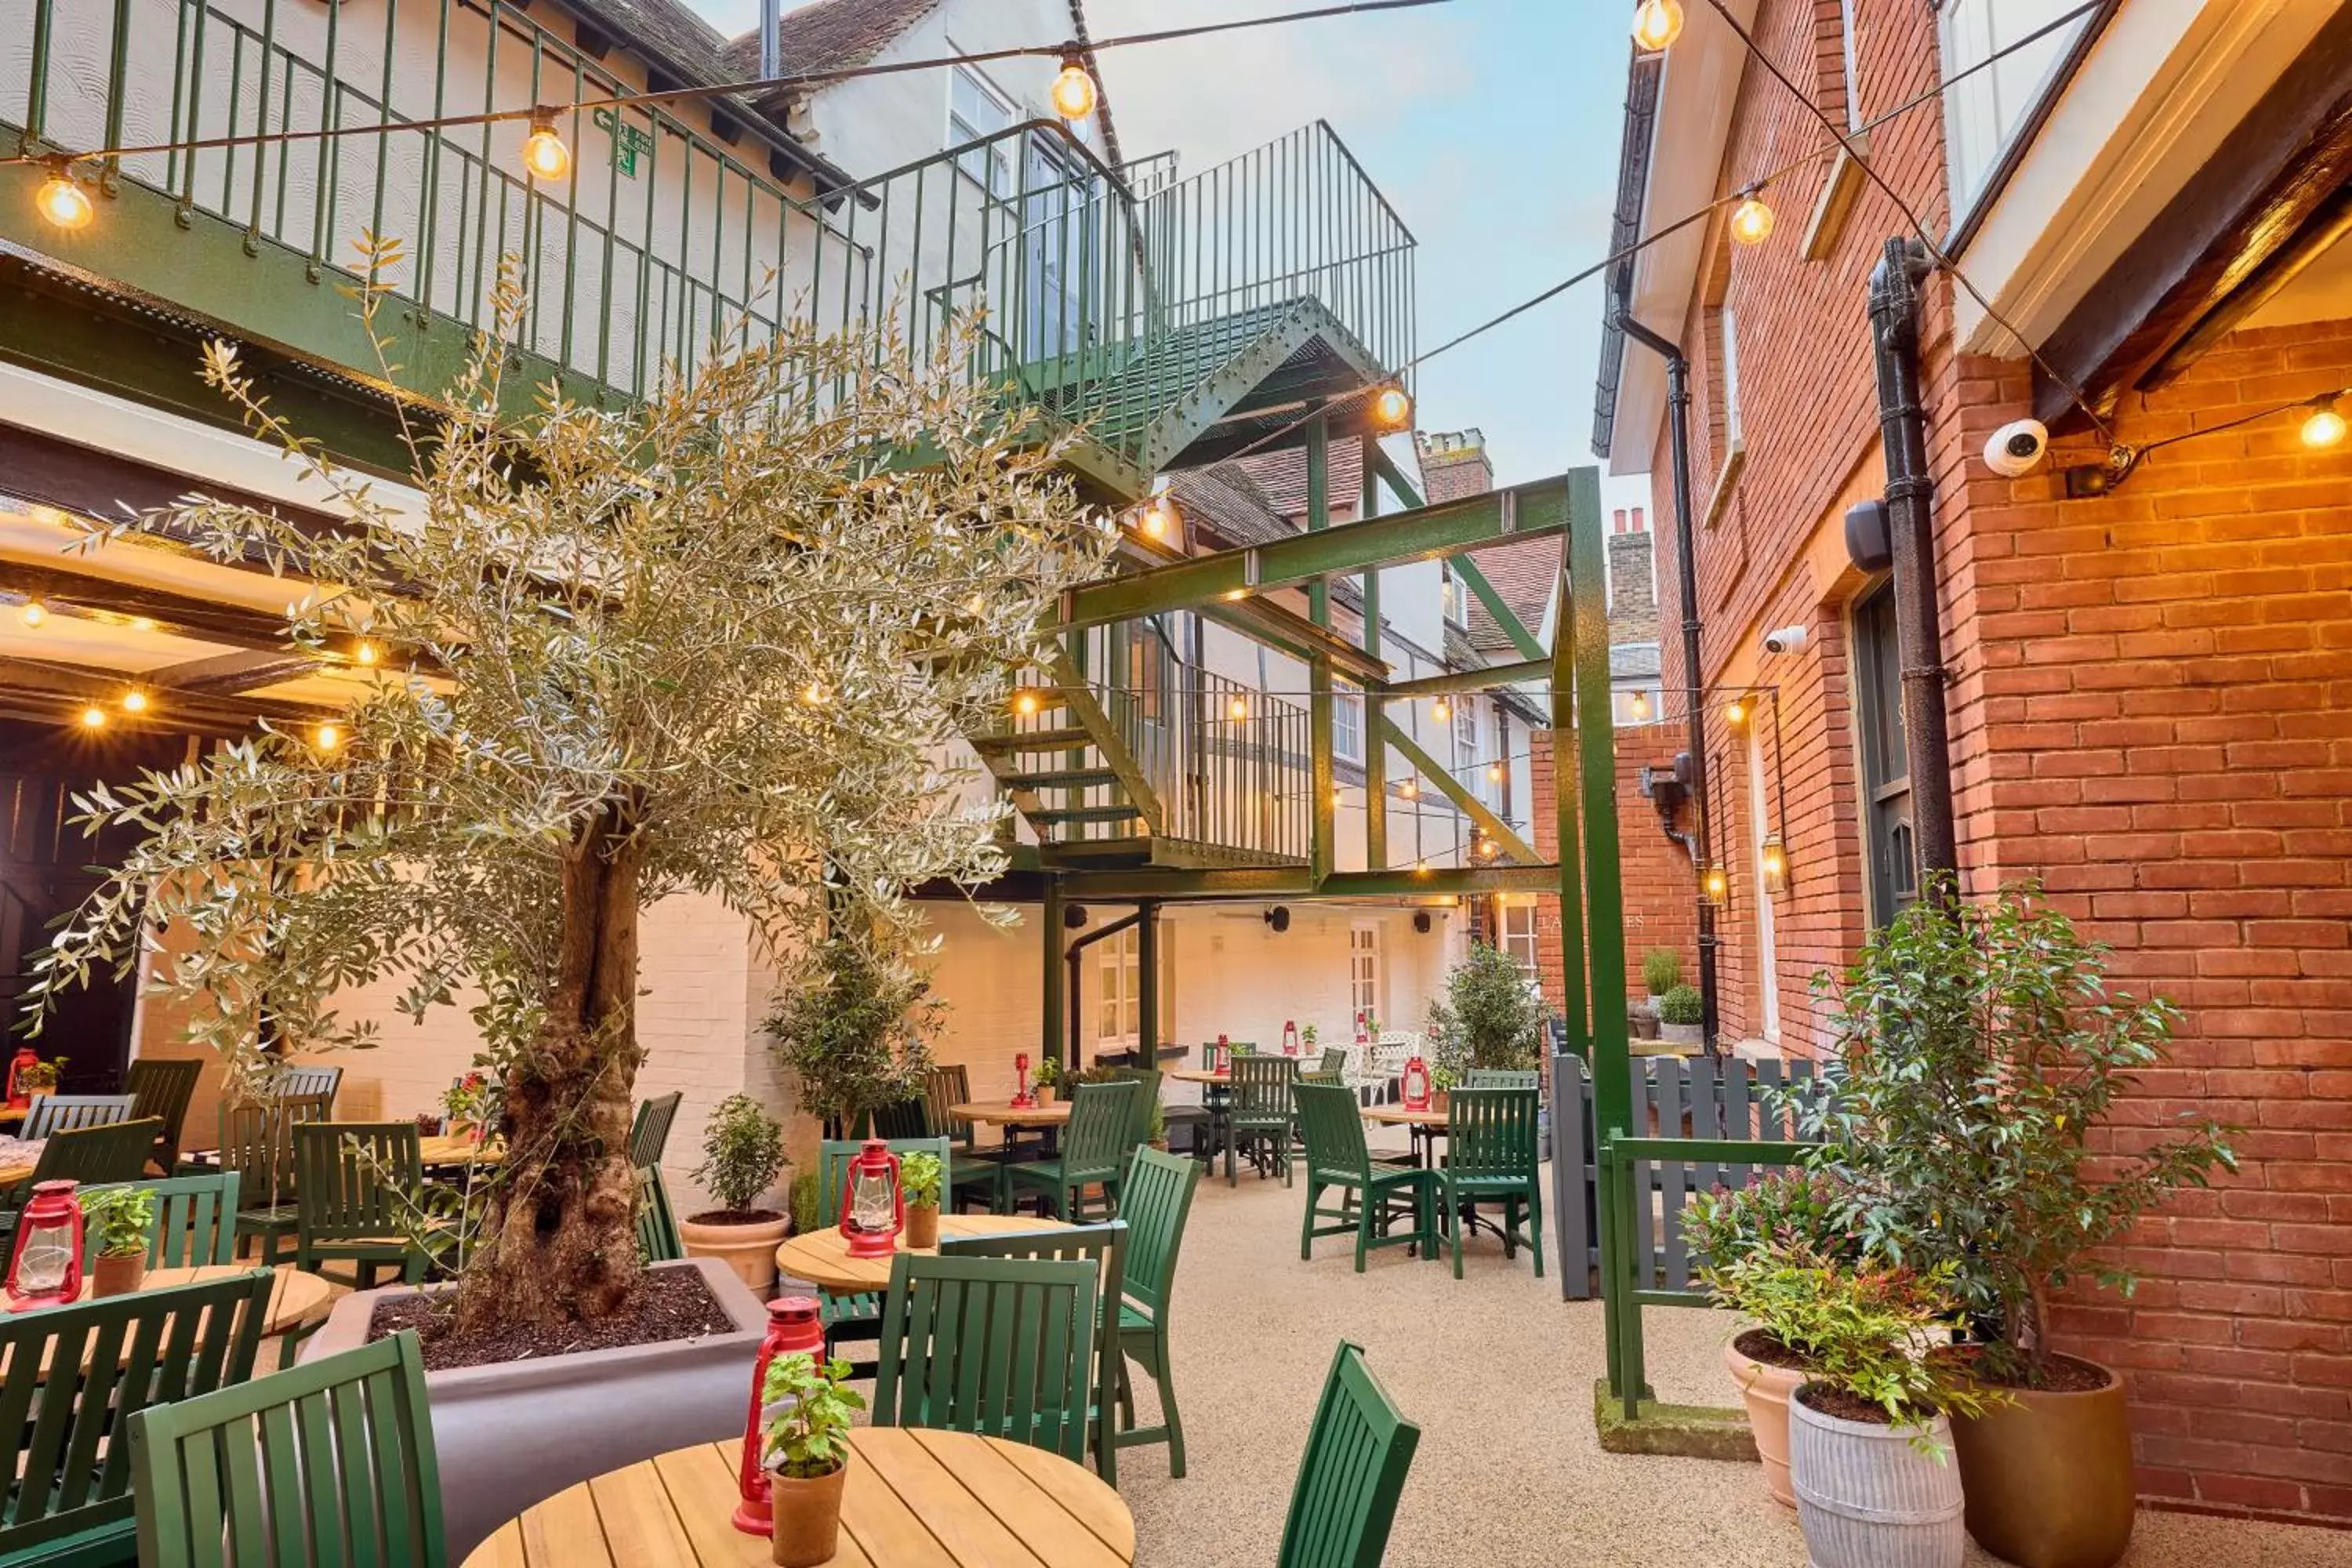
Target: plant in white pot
1682	1012
743	1156
806	1408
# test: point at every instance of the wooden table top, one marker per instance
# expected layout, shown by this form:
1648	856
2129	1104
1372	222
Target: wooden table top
1005	1113
296	1299
14	1113
444	1149
21	1162
914	1499
1398	1115
822	1257
1198	1075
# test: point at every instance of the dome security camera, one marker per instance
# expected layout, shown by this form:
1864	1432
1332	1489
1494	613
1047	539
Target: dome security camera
1786	639
2017	449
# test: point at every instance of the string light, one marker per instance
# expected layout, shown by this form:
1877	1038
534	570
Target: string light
1409	789
1441	710
1752	221
1236	596
1025	703
363	652
62	201
1392	408
134	702
1074	90
93	717
34	612
328	737
1157	520
1495	771
544	152
1420	867
2326	427
1735	712
142	623
1657	24
1638	704
1237	709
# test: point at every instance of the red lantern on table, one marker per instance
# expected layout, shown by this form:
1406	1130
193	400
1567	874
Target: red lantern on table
1222	1059
21	1099
1023	1098
46	1268
1289	1037
873	1205
794	1328
1416	1084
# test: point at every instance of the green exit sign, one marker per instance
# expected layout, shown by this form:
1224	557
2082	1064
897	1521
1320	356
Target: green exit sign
628	141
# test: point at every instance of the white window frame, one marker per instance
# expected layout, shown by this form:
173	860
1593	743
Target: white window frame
1768	947
1118	993
1515	917
1727	366
1347	722
1454	596
999	180
1363	971
1846	21
1469	734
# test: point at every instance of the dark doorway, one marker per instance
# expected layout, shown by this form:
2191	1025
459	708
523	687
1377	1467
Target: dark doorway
1889	851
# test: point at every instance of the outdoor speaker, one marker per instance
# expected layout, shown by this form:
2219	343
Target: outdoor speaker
1073	915
1278	917
1420	922
1869	542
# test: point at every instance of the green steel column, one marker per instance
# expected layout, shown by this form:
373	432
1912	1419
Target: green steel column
1566	800
1056	991
1376	750
1318	510
1147	991
1326	783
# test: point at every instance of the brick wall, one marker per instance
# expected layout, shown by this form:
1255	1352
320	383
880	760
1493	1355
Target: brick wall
1659	911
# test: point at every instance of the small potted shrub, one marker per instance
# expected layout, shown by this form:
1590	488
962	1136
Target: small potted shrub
121	1218
803	1202
1047	1080
469	1105
918	1180
1661	971
806	1408
743	1156
39	1077
1681	1012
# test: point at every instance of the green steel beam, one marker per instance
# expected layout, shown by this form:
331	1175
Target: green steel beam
1394	476
1263	620
1056	995
1319	510
1523	512
1376	751
1324	775
1147	989
1440	880
1451	788
1486	679
1574	999
1174	885
1529	645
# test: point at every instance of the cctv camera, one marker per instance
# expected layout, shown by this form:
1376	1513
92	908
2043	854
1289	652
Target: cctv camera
1788	639
2017	447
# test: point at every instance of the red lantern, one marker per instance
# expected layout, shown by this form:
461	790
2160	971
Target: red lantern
795	1326
1021	1097
1223	1060
1416	1084
46	1268
21	1099
873	1206
1289	1037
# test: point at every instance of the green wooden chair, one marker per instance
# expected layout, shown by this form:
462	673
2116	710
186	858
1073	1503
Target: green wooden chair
103	1155
1105	1246
649	1131
54	1113
1333	1060
1374	1194
657	1235
907	1118
972	1172
72	1502
1501	1078
1490	1154
329	1464
1140	1128
195	1223
1095	1144
1358	1455
1260	1120
306	1082
1155	1201
999	1346
256	1144
347	1179
162	1089
858	1316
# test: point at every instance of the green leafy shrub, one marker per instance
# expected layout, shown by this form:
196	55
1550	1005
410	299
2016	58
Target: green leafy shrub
918	1180
804	1201
853	1035
1788	1209
1682	1004
1661	970
806	1408
1049	1074
121	1217
1489	1016
742	1153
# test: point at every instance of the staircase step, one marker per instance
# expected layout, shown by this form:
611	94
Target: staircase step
1087	813
1065	778
1031	741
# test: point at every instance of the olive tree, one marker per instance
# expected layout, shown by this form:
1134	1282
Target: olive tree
715	642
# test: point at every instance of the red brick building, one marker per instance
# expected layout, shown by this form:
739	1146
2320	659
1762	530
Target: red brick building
2148	690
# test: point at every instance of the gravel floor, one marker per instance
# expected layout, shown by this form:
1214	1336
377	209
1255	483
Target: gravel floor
1498	1372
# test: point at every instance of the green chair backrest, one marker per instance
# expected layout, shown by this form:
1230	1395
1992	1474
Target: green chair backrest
195	1223
54	1113
657	1235
163	1088
349	1176
1357	1454
1138	1130
108	1360
999	1346
1104	1245
97	1156
649	1133
329	1463
1503	1077
1155	1199
1319	1075
908	1118
257	1141
1096	1143
835	1154
301	1083
1335	1059
943	1087
1262	1086
1332	1124
1491	1132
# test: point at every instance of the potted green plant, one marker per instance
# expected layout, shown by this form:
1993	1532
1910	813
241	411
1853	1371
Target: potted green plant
918	1181
1786	1209
122	1219
1047	1080
1984	1049
469	1105
853	1034
39	1076
803	1202
1681	1012
743	1156
806	1407
1490	1015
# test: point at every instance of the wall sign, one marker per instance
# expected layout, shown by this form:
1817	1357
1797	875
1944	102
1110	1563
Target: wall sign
628	141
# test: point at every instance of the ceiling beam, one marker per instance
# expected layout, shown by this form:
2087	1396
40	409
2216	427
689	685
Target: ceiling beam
65	591
1533	672
56	690
228	674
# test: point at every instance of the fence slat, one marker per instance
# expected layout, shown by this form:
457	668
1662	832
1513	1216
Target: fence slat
1673	1180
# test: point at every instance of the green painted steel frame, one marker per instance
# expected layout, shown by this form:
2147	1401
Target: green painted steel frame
1469	804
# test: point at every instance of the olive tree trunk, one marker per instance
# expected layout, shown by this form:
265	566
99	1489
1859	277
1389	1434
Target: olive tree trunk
560	1242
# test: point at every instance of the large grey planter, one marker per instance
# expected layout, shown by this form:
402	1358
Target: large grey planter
1867	1498
515	1434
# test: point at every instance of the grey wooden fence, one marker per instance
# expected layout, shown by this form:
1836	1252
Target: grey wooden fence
1673	1098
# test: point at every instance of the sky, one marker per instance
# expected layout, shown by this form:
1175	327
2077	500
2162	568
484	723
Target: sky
1490	125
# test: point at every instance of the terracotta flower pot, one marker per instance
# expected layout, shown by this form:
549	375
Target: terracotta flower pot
1765	1389
922	1225
807	1531
117	1274
1044	1092
746	1244
2049	1477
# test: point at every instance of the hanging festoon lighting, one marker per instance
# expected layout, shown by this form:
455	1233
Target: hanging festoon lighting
1638	705
93	717
2324	427
1772	856
63	201
329	737
134	702
363	652
795	1327
1494	772
45	1270
1441	710
1073	92
1657	24
873	1204
1735	713
1752	220
1158	519
33	614
544	152
1393	407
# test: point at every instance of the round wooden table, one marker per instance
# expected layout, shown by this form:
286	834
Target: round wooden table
296	1299
943	1499
1005	1113
1423	1128
444	1149
822	1257
1201	1074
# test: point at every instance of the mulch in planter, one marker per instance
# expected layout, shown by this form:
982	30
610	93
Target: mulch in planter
1759	1346
1845	1407
672	1304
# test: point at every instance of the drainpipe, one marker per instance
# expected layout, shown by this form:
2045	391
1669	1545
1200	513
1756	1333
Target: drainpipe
1687	569
1910	498
1070	957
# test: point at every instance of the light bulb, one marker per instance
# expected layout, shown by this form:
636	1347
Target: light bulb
1237	709
34	612
1735	712
2324	427
134	702
1024	703
1409	789
1420	867
1751	222
142	623
1393	407
328	737
1339	798
1441	710
63	202
544	153
1236	596
1158	519
363	652
1774	861
1495	772
93	717
1639	703
1657	24
1489	848
1716	884
1074	90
